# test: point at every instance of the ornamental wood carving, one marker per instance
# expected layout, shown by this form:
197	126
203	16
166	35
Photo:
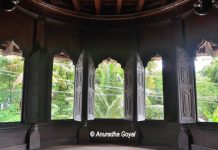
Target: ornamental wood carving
129	88
91	88
9	47
208	48
186	94
140	89
78	88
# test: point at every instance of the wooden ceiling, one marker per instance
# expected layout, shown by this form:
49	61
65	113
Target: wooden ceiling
108	7
109	12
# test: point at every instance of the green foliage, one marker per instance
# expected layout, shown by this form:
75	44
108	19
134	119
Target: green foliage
11	77
62	89
207	92
154	91
109	90
211	71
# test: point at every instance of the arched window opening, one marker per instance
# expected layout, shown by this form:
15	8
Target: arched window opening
11	79
206	75
62	87
109	90
154	89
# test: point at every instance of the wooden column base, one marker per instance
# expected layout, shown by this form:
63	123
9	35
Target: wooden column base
184	139
134	128
84	134
33	137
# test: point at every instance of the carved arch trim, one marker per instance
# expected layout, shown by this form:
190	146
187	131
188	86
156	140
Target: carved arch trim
64	54
151	56
10	47
206	47
109	59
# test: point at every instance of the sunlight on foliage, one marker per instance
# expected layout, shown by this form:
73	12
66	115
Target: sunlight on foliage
62	89
154	90
207	88
109	90
11	78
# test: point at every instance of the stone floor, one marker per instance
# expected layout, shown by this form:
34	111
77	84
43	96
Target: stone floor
104	147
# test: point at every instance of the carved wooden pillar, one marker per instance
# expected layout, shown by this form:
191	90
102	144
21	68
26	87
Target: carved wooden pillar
129	89
134	92
186	97
134	89
78	88
186	91
91	88
140	89
84	88
84	94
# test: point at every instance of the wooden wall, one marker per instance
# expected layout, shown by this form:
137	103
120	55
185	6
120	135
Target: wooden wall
29	33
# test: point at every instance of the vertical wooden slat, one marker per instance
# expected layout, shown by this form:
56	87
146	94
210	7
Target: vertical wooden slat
129	89
79	88
140	81
119	6
91	89
76	5
97	6
140	5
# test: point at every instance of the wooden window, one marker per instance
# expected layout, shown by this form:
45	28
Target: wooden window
62	88
11	79
206	75
154	89
109	90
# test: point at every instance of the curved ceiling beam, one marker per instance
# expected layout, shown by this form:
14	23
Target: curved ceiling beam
48	10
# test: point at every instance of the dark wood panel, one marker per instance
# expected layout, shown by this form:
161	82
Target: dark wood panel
58	130
196	147
67	141
157	133
153	40
104	125
17	27
63	38
205	136
13	136
104	44
170	85
17	147
37	87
